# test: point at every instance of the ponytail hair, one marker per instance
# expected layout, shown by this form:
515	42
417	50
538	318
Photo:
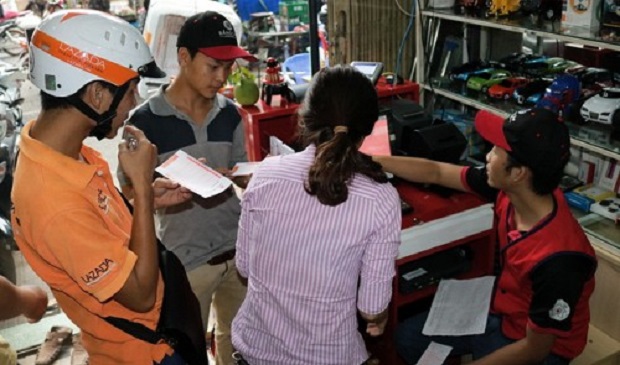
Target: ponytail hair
339	111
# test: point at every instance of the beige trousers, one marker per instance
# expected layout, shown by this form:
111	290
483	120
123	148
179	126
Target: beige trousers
219	287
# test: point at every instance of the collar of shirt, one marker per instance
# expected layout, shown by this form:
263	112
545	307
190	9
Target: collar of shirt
161	106
73	171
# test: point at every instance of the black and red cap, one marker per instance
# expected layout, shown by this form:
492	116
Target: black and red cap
535	137
212	35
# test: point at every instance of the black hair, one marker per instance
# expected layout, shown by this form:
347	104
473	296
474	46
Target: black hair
542	183
192	51
49	102
338	97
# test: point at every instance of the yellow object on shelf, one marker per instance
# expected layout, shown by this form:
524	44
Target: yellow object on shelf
594	192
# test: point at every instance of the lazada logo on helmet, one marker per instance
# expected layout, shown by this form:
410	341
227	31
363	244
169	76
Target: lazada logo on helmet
80	58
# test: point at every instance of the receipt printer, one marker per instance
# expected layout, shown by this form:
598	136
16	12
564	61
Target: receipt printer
439	141
429	270
404	113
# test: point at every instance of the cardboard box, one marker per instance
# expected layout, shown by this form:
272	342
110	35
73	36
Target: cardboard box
581	13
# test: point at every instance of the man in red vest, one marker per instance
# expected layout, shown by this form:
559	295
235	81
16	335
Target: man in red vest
539	309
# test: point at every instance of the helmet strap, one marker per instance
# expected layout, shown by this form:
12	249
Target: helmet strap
103	120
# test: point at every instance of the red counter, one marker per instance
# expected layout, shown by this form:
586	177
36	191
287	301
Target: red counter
428	206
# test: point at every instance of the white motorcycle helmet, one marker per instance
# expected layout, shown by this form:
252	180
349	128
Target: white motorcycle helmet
72	48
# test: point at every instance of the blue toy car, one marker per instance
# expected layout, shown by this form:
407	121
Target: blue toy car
532	92
466	70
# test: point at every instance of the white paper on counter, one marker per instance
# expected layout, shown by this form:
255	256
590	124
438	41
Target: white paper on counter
435	354
245	168
194	175
460	307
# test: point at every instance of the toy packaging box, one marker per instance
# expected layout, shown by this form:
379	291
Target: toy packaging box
581	13
610	175
584	197
594	192
465	124
578	201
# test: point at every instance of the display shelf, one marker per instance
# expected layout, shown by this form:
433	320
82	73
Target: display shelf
591	137
600	228
553	30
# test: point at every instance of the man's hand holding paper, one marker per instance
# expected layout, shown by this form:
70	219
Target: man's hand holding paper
168	193
194	175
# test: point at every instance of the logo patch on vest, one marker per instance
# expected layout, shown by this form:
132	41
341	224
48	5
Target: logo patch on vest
560	310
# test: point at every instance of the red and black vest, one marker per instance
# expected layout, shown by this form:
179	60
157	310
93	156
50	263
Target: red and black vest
557	233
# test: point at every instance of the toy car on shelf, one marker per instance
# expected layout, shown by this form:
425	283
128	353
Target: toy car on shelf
482	81
532	92
514	61
464	71
507	87
560	96
547	66
603	108
594	80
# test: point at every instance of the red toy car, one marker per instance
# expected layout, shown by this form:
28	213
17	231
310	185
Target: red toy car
506	88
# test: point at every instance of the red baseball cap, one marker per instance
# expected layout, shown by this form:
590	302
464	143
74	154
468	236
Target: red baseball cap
535	137
212	35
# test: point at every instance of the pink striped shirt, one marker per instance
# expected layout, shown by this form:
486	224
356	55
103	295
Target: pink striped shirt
303	261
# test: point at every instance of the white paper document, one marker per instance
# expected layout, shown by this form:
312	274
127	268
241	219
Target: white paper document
460	307
435	354
245	168
194	175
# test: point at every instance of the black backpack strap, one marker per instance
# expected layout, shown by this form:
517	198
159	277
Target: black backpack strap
134	329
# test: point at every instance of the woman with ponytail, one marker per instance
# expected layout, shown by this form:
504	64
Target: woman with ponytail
318	236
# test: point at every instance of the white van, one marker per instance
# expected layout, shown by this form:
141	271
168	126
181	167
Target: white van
161	29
